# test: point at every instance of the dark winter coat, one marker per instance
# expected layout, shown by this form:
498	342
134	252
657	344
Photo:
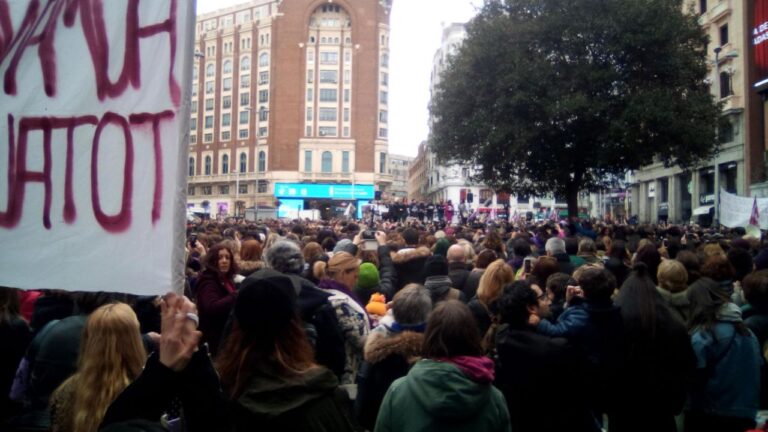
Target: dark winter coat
459	273
214	303
472	283
483	316
596	329
310	401
409	266
528	367
16	336
387	358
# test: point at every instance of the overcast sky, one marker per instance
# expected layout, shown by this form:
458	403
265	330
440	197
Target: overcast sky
416	27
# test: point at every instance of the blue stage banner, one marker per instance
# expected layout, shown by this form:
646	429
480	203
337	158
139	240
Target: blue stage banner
332	191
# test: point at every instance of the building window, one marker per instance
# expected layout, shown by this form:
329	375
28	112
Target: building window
307	161
209	104
242	133
245	99
226	102
310	95
263	78
327	131
192	139
345	161
210	70
347	75
384	97
191	169
384	79
208	122
225	164
329	76
207	190
227	66
263	114
346	114
329	58
383	116
327	114
226	136
725	85
385	60
723	34
346	95
190	190
193	124
243	188
264	60
328	95
245	64
208	137
309	114
263	131
209	87
702	6
262	161
346	131
243	162
244	117
309	131
262	186
226	84
382	132
347	57
382	162
207	165
245	81
226	119
725	133
263	96
310	76
224	190
193	107
327	162
310	56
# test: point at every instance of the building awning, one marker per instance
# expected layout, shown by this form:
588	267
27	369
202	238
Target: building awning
702	210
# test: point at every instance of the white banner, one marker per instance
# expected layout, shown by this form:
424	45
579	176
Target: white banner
93	139
735	210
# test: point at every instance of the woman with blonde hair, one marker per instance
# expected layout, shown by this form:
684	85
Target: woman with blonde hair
111	357
489	290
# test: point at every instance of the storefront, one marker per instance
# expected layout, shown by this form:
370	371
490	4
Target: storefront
331	200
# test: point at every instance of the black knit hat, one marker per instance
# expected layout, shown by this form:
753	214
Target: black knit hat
265	304
436	265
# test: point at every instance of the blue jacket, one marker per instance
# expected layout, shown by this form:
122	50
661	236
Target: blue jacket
728	365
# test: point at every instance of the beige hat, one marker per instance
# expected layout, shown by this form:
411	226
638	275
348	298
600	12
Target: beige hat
342	261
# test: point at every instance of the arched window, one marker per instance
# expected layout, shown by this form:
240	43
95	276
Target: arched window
243	162
225	164
210	70
262	161
264	59
327	162
245	64
227	66
207	165
191	166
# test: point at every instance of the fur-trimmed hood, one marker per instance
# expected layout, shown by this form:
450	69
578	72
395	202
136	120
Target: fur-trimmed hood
246	268
402	257
379	346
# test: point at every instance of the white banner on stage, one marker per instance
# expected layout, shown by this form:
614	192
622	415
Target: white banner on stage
94	109
735	210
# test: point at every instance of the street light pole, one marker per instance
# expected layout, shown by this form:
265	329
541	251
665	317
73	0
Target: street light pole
718	95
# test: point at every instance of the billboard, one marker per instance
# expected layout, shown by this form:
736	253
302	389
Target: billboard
320	190
759	34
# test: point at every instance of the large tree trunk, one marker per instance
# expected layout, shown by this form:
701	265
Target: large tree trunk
572	197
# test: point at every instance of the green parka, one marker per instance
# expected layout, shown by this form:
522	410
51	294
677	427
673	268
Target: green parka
438	396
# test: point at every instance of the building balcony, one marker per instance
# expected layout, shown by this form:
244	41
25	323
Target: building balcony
383	178
717	11
326	176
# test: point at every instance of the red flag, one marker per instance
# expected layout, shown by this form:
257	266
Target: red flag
754	218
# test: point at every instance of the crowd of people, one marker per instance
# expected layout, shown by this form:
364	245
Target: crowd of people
407	325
